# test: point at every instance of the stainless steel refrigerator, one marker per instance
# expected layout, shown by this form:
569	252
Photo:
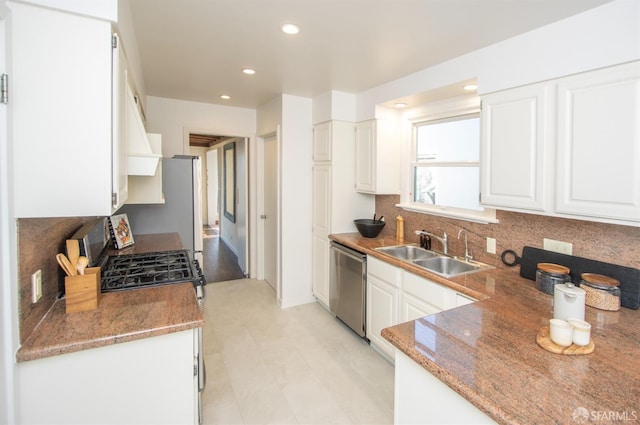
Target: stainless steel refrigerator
182	209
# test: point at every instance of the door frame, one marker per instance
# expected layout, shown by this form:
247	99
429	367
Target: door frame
260	202
250	190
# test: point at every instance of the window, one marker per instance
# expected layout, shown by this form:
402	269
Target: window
443	174
446	163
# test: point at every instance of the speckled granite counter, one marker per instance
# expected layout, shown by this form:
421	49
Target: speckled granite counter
120	317
487	351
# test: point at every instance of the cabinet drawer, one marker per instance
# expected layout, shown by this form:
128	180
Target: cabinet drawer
383	270
430	292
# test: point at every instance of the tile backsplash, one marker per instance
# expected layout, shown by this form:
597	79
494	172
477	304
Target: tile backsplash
39	240
609	243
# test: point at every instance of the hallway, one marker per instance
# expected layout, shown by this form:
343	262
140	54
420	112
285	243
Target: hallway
219	262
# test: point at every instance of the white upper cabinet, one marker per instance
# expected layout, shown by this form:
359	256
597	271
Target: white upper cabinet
377	158
61	114
322	142
568	147
515	148
599	144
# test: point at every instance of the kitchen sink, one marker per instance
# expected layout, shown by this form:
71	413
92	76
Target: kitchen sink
408	252
443	265
447	266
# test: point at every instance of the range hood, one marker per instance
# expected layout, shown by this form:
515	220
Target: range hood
145	163
144	155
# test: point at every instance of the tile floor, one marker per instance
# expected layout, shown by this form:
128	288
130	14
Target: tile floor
300	365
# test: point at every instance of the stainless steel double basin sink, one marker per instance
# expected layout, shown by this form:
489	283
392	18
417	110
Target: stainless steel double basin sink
440	264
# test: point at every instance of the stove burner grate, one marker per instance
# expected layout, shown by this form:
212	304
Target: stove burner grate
149	269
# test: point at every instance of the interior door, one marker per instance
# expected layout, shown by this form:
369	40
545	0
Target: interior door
270	213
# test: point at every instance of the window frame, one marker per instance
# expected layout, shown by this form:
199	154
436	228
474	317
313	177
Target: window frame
439	111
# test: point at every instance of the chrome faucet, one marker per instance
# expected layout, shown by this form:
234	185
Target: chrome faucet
467	255
443	240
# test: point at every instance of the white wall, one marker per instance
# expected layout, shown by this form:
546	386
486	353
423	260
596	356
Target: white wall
334	105
292	115
204	195
297	135
172	118
603	36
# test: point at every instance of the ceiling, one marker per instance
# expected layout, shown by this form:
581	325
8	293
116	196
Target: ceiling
195	49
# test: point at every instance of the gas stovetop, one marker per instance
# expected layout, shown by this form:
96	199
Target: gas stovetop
150	269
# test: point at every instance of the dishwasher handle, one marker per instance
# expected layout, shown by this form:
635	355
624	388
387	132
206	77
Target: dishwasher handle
356	255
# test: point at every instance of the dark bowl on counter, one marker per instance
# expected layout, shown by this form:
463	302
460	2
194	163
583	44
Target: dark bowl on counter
368	227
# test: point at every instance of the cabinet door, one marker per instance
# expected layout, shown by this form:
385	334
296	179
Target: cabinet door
321	199
382	312
365	156
120	188
320	269
516	147
61	113
322	141
412	308
599	144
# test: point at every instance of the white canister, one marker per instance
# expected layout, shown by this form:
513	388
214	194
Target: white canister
568	301
581	331
560	332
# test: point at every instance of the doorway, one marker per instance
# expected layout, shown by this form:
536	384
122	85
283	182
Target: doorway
224	250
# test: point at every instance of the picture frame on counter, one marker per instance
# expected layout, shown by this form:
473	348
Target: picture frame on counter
121	230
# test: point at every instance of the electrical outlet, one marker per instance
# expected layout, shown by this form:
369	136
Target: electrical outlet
557	246
491	245
36	286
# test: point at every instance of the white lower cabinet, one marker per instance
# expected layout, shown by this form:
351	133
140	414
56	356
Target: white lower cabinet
395	296
421	398
146	381
382	312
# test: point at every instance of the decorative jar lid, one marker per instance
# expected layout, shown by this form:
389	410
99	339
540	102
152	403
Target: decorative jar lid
599	279
553	268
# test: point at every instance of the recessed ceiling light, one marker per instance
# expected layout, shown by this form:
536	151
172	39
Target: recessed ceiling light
470	87
249	71
291	29
400	105
225	97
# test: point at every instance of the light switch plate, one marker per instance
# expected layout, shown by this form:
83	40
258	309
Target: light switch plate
491	245
557	246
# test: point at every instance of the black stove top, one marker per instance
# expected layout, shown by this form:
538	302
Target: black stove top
150	269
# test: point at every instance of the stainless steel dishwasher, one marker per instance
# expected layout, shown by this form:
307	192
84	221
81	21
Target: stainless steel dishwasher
348	286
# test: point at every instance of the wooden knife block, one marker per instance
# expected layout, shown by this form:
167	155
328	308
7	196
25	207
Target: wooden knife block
83	291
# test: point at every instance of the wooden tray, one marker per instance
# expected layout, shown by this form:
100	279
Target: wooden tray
544	340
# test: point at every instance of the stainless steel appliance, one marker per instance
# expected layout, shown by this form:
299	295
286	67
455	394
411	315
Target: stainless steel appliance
348	284
182	208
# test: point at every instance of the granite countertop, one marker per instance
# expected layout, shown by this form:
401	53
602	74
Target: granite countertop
487	351
120	316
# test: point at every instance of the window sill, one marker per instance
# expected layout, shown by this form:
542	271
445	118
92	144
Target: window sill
488	216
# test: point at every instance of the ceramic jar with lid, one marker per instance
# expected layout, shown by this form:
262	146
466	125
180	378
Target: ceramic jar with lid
602	292
548	275
568	302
